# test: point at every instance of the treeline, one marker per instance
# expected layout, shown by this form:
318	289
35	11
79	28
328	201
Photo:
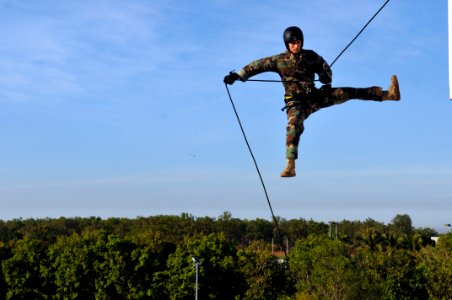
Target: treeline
151	258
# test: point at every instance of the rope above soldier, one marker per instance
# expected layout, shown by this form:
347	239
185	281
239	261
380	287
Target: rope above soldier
297	68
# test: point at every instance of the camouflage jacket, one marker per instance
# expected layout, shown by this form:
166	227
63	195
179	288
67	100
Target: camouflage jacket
296	70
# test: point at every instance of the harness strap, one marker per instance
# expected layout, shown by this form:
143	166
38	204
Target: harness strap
293	101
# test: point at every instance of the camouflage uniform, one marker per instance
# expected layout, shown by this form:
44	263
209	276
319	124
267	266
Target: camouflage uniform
302	98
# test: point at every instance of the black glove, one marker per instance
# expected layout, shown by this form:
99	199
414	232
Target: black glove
231	78
326	75
326	87
325	79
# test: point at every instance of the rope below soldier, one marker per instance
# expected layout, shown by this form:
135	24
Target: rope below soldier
297	68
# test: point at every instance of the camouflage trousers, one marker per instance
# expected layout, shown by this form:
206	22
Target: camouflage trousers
300	107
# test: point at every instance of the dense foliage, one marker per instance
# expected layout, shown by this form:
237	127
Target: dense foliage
151	258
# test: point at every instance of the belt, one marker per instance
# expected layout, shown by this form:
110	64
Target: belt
294	100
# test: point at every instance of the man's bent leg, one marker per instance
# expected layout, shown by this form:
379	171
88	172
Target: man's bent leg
294	130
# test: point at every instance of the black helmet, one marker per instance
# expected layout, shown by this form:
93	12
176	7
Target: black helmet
292	34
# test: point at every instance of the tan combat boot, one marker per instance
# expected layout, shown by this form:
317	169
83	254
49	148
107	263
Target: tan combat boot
289	171
393	92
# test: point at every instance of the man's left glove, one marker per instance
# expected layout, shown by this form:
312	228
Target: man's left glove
231	78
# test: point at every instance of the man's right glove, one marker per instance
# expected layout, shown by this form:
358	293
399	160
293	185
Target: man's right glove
231	78
326	87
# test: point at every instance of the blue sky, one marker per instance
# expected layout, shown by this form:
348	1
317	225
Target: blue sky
118	109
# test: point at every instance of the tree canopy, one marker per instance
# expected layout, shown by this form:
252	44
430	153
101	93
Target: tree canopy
151	258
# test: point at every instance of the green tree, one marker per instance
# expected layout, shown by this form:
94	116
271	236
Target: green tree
325	270
232	228
395	271
99	265
149	263
402	224
259	229
445	241
74	261
205	225
437	263
371	223
392	240
295	229
114	271
172	228
26	271
372	239
11	230
266	276
5	253
218	273
348	230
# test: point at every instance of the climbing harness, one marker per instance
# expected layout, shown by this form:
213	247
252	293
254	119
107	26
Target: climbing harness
292	101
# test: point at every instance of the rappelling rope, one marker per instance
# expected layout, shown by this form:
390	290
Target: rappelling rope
246	139
261	179
368	22
257	167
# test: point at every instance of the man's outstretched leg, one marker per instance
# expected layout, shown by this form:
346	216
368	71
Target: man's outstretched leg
338	95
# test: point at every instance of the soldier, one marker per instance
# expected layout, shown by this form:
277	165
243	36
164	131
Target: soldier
297	68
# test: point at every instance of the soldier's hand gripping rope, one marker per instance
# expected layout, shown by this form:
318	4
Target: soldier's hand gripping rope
231	78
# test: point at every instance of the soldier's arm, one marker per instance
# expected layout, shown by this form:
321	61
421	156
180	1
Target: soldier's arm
324	71
267	64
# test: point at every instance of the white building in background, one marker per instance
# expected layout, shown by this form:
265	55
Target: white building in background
435	238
